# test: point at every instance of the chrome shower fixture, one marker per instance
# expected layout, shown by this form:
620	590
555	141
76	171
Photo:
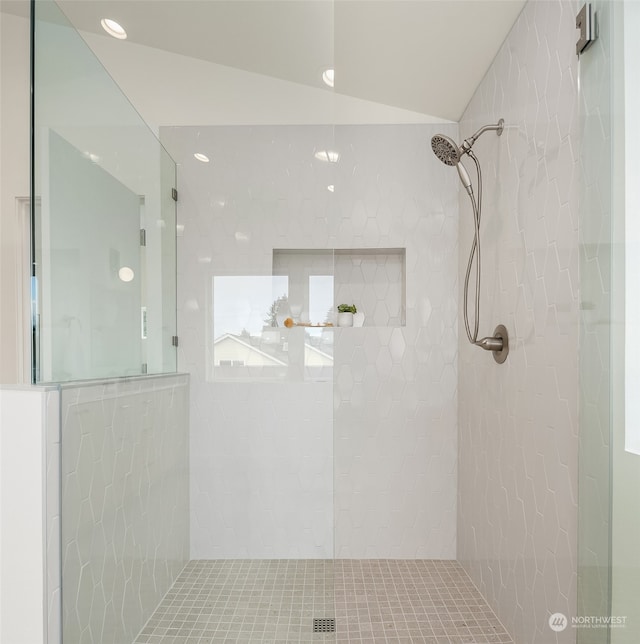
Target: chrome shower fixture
445	149
468	143
451	154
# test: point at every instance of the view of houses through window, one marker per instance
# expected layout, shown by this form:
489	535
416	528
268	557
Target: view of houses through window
250	339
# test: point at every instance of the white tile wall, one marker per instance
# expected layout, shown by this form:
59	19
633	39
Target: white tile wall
125	524
376	281
517	511
390	414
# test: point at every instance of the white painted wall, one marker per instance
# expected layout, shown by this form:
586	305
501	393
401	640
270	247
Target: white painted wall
29	516
518	443
631	128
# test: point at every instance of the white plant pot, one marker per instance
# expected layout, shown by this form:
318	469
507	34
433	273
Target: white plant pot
345	319
358	319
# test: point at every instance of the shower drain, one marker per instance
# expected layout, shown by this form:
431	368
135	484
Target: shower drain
324	625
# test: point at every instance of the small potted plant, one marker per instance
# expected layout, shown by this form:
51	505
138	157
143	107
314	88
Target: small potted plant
345	314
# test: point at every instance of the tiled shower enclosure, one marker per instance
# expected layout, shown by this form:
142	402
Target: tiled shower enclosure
355	458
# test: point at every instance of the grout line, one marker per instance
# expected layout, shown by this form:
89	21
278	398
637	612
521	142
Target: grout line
276	600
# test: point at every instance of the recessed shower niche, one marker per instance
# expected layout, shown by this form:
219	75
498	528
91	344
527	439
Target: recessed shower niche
373	279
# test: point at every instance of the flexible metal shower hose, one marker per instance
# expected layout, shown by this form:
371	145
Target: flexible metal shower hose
475	252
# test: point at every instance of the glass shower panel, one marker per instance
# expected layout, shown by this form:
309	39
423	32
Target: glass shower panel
91	304
625	480
609	529
594	484
257	250
104	219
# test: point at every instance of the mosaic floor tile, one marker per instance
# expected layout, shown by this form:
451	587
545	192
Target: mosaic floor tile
276	601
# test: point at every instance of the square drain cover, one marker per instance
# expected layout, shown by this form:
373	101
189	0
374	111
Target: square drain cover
324	625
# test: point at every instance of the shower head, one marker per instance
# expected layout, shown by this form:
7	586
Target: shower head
445	149
449	153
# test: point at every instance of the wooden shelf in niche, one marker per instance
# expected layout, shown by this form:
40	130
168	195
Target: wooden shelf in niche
374	279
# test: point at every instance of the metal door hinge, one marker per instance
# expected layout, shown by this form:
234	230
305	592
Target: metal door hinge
143	237
585	21
174	340
174	194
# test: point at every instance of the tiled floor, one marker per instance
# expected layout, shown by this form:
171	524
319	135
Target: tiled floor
373	600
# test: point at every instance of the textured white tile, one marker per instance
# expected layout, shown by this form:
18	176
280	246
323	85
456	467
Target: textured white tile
517	513
374	436
126	505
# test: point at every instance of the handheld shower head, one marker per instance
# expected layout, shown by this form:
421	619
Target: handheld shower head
449	153
464	178
445	149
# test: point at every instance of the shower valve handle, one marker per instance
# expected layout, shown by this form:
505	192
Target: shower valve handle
498	343
490	344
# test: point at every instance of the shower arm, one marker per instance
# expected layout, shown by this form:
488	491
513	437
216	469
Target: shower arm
466	146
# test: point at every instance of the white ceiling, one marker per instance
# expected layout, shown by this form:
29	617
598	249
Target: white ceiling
424	56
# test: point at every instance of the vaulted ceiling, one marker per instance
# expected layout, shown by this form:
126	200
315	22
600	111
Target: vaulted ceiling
426	56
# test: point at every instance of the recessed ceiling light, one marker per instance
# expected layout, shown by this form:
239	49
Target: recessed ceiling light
113	28
201	157
331	188
328	76
328	155
126	274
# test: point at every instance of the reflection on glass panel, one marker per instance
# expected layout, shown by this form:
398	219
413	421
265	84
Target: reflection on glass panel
248	330
93	287
321	298
318	358
261	332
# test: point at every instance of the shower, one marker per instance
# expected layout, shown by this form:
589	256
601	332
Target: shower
451	154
